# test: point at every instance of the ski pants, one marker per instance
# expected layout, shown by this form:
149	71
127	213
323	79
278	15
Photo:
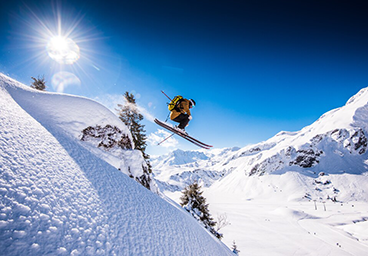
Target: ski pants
182	119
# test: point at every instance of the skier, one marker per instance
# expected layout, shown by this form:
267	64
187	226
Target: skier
181	114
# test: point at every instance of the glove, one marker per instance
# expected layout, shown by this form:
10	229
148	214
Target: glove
190	117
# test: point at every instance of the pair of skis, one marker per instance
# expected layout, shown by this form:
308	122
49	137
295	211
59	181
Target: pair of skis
183	135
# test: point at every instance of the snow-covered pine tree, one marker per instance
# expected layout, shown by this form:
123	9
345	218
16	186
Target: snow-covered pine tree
193	201
39	83
129	114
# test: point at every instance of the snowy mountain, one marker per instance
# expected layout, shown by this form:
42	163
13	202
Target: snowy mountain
298	193
333	147
179	168
335	144
66	186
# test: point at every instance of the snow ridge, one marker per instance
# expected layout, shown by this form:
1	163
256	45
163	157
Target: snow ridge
60	196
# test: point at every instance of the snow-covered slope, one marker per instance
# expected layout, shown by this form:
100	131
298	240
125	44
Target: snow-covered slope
63	196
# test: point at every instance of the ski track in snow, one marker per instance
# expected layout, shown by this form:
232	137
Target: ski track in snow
58	198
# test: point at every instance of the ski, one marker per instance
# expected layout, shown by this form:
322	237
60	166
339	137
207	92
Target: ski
185	136
180	133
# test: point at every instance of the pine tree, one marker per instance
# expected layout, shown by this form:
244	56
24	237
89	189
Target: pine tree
39	83
130	116
193	201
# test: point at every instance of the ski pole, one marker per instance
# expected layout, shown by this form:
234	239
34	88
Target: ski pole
165	95
168	114
165	139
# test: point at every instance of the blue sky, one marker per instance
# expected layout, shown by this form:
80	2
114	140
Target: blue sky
254	67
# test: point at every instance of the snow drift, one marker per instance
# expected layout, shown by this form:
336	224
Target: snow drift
63	196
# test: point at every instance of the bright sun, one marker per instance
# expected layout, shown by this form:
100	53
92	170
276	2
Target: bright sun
63	50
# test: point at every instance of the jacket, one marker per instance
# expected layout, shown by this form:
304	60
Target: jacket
184	108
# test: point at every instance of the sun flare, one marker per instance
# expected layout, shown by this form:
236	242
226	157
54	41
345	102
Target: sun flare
63	50
62	44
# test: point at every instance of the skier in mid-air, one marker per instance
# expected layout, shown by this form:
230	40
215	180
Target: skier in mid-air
181	113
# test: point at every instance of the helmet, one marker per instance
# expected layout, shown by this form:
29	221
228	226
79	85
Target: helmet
192	102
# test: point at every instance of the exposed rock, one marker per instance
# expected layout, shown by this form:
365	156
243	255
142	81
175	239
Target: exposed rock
108	137
271	164
112	139
306	158
359	141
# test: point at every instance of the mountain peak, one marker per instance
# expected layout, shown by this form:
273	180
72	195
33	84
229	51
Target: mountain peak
361	95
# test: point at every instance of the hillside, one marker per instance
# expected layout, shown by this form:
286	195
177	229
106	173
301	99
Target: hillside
61	195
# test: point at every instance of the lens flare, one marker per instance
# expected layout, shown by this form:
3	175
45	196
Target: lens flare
54	39
63	50
63	79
